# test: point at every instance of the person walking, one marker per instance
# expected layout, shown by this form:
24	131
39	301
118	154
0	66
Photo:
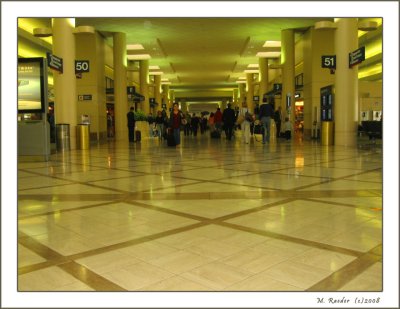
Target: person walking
265	115
245	126
187	127
278	121
218	119
175	121
195	124
228	118
160	124
211	122
131	124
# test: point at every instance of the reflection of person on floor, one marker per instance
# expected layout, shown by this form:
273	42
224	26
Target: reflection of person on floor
287	127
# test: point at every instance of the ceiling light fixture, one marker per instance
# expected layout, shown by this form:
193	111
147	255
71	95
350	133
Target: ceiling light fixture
139	57
268	54
134	47
154	67
42	32
156	73
251	71
84	29
272	44
253	65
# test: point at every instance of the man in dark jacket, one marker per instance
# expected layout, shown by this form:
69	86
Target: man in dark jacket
228	118
131	124
265	115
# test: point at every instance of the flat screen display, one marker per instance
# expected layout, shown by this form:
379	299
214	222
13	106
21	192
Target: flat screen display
30	85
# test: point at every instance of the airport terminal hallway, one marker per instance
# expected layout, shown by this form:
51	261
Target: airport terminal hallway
212	215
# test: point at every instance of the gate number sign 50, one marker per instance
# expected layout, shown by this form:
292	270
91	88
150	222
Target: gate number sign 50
81	66
329	62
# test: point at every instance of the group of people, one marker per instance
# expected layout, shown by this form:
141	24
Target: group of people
218	121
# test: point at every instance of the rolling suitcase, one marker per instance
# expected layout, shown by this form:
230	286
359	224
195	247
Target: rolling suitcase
138	136
215	134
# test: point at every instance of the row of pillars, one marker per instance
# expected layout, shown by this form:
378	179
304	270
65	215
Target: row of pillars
346	80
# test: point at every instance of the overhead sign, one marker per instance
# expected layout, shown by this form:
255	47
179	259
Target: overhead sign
130	90
329	62
81	66
277	87
54	62
356	56
85	97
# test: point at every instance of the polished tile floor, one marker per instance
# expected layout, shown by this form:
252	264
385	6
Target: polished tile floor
211	215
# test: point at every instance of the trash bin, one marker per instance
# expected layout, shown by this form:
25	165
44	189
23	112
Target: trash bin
327	134
63	137
82	136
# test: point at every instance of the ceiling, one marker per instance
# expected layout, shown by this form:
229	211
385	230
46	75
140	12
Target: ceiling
199	50
203	52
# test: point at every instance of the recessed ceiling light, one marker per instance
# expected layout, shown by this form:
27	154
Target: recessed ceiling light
156	73
154	67
242	77
165	80
251	71
134	47
253	65
139	57
272	44
241	82
268	54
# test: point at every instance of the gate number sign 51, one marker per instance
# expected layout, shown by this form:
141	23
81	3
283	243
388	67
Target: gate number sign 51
81	66
329	62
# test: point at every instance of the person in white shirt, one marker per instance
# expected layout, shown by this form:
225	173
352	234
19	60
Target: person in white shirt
287	127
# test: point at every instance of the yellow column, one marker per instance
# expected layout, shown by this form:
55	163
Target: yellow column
263	68
346	83
165	95
144	85
171	98
235	97
250	91
65	83
157	91
242	94
287	61
120	84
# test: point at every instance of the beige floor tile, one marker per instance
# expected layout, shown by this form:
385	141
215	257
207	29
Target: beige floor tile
274	181
177	284
142	183
324	259
136	276
213	249
27	257
148	250
216	276
75	287
107	262
297	274
39	182
358	242
369	280
281	247
208	187
262	282
209	173
180	261
67	189
346	185
254	261
47	279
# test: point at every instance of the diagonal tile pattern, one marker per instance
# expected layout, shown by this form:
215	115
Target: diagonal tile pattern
213	215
